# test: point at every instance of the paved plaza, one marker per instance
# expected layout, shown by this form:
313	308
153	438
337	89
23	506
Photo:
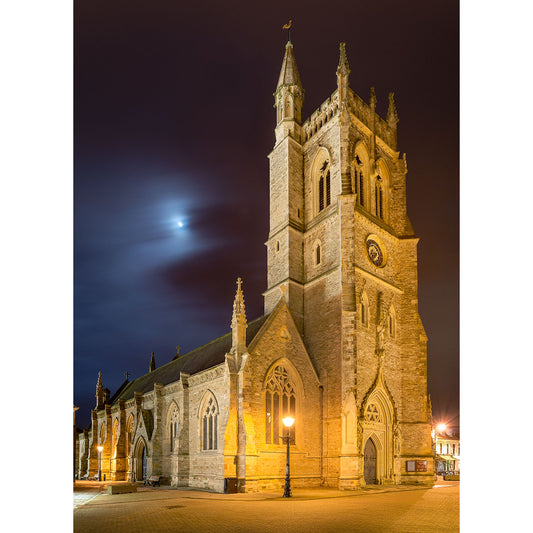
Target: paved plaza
164	509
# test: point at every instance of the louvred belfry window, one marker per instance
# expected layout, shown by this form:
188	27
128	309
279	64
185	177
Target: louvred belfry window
280	401
324	187
359	181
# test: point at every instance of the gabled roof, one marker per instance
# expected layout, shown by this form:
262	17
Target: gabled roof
202	358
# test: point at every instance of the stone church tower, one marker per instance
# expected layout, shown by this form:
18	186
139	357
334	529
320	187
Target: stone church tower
342	246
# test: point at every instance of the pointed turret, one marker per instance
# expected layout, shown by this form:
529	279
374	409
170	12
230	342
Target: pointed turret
289	74
152	362
238	321
343	74
289	97
99	392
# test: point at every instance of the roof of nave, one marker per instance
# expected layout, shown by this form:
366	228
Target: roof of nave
202	358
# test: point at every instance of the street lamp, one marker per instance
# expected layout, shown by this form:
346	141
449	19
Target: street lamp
99	448
441	427
288	421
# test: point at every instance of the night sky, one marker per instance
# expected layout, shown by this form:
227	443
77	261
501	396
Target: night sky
173	122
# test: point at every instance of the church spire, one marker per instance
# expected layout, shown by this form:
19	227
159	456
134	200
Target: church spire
289	98
152	362
99	392
238	321
343	73
289	74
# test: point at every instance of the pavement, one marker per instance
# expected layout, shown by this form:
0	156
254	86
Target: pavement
398	509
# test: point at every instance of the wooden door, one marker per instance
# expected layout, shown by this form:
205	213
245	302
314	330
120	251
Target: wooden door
370	462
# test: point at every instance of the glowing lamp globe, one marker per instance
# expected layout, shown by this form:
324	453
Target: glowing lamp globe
288	421
441	427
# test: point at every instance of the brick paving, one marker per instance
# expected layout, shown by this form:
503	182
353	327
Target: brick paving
162	509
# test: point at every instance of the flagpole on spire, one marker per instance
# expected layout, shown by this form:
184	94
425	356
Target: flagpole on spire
288	28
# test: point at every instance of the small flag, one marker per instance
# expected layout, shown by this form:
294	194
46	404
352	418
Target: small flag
287	26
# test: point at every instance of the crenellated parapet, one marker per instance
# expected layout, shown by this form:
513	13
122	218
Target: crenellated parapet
359	109
321	116
365	114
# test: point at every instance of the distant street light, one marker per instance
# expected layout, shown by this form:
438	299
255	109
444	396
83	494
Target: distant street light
441	427
288	421
99	448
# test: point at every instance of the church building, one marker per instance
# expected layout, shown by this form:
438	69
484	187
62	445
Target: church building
341	347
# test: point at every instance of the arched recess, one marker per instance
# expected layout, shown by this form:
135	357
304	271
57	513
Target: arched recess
377	416
364	309
381	191
283	394
349	416
208	420
360	173
129	434
392	322
318	253
321	180
140	463
114	438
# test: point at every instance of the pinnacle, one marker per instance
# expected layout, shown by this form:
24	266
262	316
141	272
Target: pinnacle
289	71
392	114
238	304
344	67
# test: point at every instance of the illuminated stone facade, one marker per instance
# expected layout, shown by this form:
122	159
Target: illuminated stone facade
341	346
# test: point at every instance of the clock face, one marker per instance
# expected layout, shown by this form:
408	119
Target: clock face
375	253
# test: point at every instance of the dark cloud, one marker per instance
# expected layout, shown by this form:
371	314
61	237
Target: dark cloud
174	121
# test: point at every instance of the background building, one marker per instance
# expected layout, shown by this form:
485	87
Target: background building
447	452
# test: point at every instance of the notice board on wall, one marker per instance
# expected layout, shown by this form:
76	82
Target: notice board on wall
416	466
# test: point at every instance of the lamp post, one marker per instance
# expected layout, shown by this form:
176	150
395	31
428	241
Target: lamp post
288	421
99	448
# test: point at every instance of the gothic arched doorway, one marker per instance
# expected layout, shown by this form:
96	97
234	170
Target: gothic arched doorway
140	461
370	462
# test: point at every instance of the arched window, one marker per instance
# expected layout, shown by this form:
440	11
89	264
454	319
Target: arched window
280	401
364	309
173	429
209	428
114	438
381	185
129	434
101	438
360	173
